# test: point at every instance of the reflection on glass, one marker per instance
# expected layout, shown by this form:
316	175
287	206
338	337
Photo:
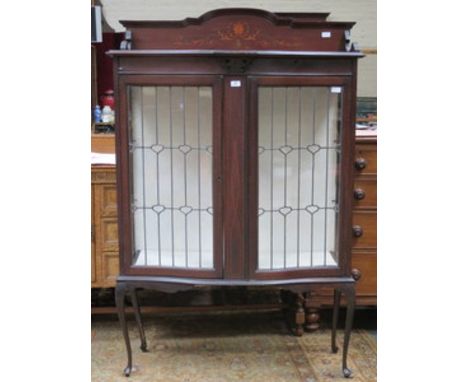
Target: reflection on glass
298	155
171	153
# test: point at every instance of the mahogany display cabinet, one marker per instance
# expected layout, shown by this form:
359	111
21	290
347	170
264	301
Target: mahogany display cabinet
235	152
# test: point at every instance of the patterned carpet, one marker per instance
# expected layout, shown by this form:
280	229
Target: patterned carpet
230	347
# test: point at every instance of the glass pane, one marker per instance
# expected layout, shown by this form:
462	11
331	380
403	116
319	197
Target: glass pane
298	159
171	152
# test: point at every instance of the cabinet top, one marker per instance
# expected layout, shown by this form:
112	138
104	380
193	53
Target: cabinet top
241	29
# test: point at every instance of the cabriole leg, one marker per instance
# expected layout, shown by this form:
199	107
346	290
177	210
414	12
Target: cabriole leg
136	308
120	290
336	309
350	294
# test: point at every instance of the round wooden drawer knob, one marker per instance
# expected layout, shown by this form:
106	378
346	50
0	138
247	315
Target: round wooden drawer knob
359	194
360	164
356	274
357	231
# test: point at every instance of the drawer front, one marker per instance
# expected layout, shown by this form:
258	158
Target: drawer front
365	193
366	262
366	222
366	154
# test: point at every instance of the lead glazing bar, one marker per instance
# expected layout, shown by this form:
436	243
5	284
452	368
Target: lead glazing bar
326	181
172	176
199	181
271	178
299	131
185	174
313	181
157	176
285	170
143	174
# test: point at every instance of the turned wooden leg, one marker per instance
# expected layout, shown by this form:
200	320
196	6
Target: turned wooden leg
336	310
299	316
120	291
136	308
350	294
312	316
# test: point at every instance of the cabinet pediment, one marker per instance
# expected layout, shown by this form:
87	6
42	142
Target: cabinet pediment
247	29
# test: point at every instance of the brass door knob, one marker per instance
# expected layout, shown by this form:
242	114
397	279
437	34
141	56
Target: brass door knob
360	164
359	194
357	231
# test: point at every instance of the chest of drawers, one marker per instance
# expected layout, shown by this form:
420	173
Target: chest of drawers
364	255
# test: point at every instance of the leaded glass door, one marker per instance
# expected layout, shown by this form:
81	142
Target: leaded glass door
298	164
173	149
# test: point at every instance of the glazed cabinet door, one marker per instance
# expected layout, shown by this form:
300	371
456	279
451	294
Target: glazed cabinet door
172	206
299	146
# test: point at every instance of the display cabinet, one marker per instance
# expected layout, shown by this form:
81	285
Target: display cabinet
235	152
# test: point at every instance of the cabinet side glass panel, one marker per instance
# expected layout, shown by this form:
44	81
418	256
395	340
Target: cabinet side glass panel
298	167
170	144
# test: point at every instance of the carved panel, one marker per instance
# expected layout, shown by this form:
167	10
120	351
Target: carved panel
109	234
103	175
108	200
110	267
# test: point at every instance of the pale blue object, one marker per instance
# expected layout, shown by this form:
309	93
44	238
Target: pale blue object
97	114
